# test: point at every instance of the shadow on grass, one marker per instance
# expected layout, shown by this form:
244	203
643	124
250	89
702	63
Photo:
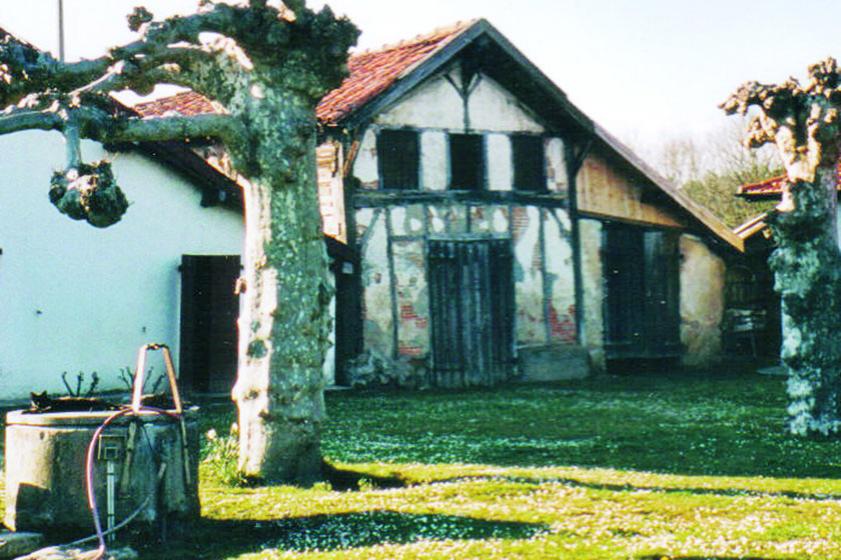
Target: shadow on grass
211	538
723	492
345	480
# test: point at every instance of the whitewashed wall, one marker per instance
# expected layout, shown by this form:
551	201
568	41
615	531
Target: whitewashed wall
76	298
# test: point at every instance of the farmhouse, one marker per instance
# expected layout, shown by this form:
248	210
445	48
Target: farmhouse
499	227
499	231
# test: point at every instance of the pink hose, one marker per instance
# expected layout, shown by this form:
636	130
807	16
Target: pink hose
89	466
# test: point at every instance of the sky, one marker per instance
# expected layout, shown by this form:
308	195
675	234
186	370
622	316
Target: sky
647	70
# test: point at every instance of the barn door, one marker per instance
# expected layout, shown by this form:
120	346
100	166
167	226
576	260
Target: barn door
209	311
471	296
642	311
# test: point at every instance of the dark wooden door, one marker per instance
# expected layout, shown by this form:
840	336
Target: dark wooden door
642	303
209	311
471	296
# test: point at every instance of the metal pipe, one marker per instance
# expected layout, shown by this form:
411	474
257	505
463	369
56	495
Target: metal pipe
111	475
61	30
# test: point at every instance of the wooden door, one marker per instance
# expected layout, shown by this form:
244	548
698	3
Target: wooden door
209	311
471	296
642	303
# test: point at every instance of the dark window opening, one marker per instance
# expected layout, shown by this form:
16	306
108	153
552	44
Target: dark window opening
529	163
398	152
467	164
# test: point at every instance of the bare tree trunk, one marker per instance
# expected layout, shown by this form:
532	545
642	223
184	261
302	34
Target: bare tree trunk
807	268
285	320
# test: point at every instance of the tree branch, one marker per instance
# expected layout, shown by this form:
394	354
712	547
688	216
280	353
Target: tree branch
17	120
224	127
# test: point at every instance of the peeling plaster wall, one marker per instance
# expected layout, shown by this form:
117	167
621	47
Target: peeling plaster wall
543	274
702	301
590	233
378	320
558	276
79	298
412	298
528	280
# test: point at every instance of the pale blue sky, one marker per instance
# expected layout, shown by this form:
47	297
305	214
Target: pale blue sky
645	69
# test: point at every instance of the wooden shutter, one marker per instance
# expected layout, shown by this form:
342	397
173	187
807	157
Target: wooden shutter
472	310
209	311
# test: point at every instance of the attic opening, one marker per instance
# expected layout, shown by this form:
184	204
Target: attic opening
467	162
529	161
398	154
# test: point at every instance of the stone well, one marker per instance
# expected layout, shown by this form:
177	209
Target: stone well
45	470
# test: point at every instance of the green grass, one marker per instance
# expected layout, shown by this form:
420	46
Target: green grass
638	467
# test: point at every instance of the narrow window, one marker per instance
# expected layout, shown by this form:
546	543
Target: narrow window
529	163
467	164
398	154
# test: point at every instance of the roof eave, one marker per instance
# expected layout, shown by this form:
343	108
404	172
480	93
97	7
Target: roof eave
706	218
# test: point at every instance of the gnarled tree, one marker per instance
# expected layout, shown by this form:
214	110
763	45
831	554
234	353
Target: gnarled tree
268	66
802	122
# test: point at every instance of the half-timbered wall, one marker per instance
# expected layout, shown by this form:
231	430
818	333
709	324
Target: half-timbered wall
393	227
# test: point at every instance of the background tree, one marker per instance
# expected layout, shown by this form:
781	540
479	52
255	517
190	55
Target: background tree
802	122
711	171
268	66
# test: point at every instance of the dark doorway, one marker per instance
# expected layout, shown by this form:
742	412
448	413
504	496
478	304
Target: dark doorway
344	264
642	312
471	297
209	311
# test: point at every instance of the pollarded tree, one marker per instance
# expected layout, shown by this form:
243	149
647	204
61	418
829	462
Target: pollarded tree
268	66
802	122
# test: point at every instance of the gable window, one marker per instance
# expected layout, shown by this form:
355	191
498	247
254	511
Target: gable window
467	162
398	153
529	162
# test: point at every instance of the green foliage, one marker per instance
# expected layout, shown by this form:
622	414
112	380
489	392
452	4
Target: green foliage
219	457
710	172
717	192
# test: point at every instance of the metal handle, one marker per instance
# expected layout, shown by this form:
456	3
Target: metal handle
137	389
137	396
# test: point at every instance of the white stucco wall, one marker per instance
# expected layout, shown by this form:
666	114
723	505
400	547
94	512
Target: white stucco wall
75	298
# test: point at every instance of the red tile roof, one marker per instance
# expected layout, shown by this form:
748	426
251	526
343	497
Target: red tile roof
188	104
371	73
773	187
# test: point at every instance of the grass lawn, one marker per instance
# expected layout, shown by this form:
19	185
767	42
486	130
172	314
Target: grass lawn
645	467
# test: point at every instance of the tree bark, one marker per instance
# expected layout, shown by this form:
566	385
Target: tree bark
807	269
285	320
